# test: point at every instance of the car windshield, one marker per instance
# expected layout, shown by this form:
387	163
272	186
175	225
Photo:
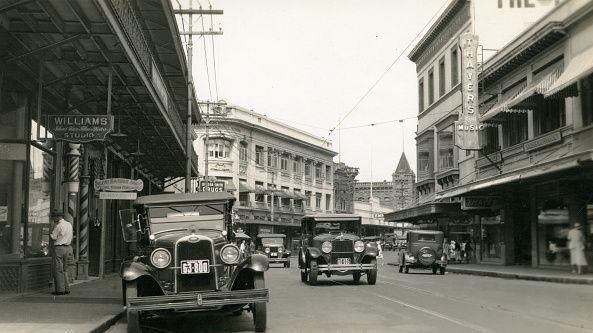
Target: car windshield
337	227
164	218
272	241
426	238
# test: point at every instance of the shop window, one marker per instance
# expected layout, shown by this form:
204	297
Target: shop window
550	114
492	237
38	223
553	226
442	77
514	129
430	87
259	155
454	66
586	93
243	151
12	173
420	95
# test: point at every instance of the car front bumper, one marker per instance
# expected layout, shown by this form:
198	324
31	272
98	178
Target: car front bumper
341	268
273	260
198	300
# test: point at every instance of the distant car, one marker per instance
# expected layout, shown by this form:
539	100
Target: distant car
399	243
274	247
423	250
185	260
332	244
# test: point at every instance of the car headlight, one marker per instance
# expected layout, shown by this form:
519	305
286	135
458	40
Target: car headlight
358	246
267	250
160	258
229	254
326	247
280	250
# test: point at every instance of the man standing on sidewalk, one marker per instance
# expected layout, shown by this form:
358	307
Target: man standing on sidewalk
62	236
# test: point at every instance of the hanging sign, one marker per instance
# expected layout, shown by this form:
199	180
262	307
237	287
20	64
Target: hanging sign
211	186
467	128
118	195
79	127
118	185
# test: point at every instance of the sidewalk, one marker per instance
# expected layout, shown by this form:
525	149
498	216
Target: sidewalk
91	306
522	273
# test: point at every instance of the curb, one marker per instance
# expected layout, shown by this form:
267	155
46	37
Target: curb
106	324
517	276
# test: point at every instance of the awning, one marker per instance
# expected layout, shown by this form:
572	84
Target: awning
299	196
431	209
538	87
287	194
503	103
245	188
259	189
578	67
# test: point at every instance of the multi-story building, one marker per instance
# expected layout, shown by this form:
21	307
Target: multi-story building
519	194
397	193
344	180
372	216
277	172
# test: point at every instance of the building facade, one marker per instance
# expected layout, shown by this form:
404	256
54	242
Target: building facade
518	196
278	173
372	217
344	181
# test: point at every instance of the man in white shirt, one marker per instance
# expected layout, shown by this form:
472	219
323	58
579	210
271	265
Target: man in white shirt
62	236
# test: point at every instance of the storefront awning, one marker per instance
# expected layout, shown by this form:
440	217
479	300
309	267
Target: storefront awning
503	103
229	186
259	189
537	88
299	196
431	209
579	67
245	188
287	194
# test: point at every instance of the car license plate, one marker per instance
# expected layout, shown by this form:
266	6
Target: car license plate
343	261
426	255
195	266
274	254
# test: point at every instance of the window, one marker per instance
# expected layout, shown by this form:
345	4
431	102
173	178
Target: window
259	155
549	115
243	199
219	149
296	166
587	99
328	199
284	163
243	151
308	169
430	87
318	171
490	137
514	129
420	96
442	77
318	200
446	155
308	200
272	158
423	162
454	67
328	173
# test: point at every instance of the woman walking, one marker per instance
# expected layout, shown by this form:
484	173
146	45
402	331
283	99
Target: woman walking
576	245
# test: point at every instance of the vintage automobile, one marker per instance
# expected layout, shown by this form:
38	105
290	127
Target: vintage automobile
274	247
332	244
424	250
185	260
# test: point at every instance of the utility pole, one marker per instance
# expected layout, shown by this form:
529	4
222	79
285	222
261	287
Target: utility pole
190	98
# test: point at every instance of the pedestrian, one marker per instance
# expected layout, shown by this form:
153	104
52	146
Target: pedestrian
458	252
469	252
242	247
576	245
380	253
251	247
446	250
62	237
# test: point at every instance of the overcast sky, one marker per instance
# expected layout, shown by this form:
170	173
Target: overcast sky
307	63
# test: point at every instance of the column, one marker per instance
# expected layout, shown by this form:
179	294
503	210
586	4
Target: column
71	212
83	244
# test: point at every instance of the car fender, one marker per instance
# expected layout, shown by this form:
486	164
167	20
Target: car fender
313	253
286	254
256	262
132	270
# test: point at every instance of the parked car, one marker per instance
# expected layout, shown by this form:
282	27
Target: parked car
274	247
424	250
389	242
400	243
332	244
186	260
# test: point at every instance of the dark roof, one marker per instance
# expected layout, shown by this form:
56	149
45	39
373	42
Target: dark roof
184	197
403	166
332	217
429	232
270	235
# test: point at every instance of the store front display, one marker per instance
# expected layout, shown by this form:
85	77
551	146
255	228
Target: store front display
553	224
492	238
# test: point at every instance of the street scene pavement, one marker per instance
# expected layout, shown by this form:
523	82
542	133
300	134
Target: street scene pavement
414	302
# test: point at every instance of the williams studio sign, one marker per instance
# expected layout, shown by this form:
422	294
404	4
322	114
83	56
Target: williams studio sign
80	128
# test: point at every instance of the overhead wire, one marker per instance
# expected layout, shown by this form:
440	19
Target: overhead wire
206	61
213	55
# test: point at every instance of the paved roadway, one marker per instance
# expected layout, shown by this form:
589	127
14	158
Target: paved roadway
415	302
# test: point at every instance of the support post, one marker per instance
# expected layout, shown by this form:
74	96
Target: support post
188	144
71	212
103	218
83	257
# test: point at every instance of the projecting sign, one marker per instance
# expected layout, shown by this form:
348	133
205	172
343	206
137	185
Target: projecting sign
467	128
80	128
211	186
118	195
118	184
470	203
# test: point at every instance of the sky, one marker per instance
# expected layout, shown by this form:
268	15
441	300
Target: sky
308	62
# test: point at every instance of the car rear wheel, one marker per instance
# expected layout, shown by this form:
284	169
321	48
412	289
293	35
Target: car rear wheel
304	275
133	316
356	276
372	273
313	272
260	316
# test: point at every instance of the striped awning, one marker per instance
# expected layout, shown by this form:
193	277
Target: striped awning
259	189
537	88
578	67
299	196
503	103
245	188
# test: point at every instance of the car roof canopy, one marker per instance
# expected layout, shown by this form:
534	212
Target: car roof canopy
184	198
271	235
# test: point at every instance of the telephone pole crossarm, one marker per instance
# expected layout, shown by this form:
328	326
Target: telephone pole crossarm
201	33
199	11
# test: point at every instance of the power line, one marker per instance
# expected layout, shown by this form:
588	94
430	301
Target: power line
213	56
386	70
206	61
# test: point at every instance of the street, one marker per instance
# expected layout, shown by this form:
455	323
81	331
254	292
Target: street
415	302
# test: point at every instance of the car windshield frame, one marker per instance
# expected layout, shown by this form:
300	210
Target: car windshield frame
337	227
266	240
163	218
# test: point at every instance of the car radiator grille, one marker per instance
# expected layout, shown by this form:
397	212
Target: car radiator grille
195	251
343	246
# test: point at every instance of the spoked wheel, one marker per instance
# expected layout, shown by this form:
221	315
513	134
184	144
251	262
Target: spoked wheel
356	276
372	273
260	316
133	316
313	272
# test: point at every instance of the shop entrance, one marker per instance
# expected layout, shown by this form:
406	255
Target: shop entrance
521	234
